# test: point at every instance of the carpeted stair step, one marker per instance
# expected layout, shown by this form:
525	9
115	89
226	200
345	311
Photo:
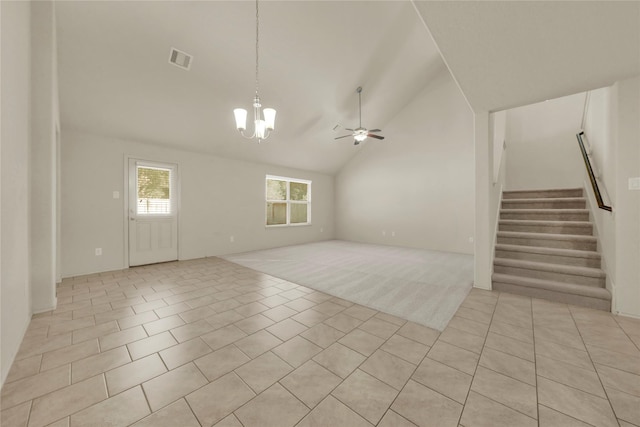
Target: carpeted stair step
545	214
548	203
559	241
549	255
543	194
548	227
586	296
585	276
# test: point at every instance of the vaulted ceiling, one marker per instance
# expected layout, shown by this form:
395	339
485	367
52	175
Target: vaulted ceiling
115	78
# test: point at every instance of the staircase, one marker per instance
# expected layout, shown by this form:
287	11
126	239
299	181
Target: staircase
546	249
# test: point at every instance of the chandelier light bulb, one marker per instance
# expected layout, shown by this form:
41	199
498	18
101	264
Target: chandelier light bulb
241	118
269	118
260	129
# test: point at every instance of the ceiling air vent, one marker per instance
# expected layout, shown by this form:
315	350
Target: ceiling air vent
180	58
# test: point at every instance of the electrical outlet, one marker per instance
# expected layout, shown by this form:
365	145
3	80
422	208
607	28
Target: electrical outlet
470	239
384	233
393	234
322	229
232	239
98	251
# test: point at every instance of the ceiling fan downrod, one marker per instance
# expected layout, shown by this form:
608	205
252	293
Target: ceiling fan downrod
360	134
359	90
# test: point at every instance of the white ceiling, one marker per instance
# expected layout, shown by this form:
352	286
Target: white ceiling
511	53
115	78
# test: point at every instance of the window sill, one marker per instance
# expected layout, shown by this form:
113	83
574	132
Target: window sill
308	224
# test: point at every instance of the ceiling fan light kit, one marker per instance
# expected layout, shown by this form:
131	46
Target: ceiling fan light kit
261	127
360	133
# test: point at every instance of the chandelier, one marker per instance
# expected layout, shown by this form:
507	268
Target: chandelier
262	127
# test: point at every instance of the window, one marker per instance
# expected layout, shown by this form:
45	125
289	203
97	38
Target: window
154	190
288	201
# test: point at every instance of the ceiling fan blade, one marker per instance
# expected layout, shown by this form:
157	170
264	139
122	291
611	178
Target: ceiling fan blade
375	136
349	129
375	130
345	136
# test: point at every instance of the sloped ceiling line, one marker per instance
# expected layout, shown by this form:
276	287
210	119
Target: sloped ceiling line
506	54
115	79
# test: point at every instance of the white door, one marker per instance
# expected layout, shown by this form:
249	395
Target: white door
153	212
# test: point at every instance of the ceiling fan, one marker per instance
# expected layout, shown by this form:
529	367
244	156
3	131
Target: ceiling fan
359	134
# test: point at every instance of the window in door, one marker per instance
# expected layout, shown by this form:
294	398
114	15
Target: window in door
154	191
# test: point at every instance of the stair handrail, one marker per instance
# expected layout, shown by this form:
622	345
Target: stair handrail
592	177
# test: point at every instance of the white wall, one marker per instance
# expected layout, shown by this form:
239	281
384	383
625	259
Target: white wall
500	161
15	137
613	130
627	202
543	150
44	120
598	130
490	175
219	198
419	181
484	200
498	123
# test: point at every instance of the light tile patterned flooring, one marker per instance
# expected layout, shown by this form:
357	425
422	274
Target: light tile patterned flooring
208	342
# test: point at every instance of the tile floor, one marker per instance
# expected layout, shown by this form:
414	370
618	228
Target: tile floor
208	342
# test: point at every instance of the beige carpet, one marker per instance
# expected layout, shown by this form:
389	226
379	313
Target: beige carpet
423	286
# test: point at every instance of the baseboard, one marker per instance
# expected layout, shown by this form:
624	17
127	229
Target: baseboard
14	353
24	331
631	316
604	265
614	303
90	272
488	288
495	228
48	308
611	287
492	253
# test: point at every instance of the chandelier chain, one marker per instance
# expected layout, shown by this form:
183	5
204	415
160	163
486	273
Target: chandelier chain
262	126
257	44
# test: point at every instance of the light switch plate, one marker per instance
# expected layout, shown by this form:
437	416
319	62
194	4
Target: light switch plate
116	194
634	183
